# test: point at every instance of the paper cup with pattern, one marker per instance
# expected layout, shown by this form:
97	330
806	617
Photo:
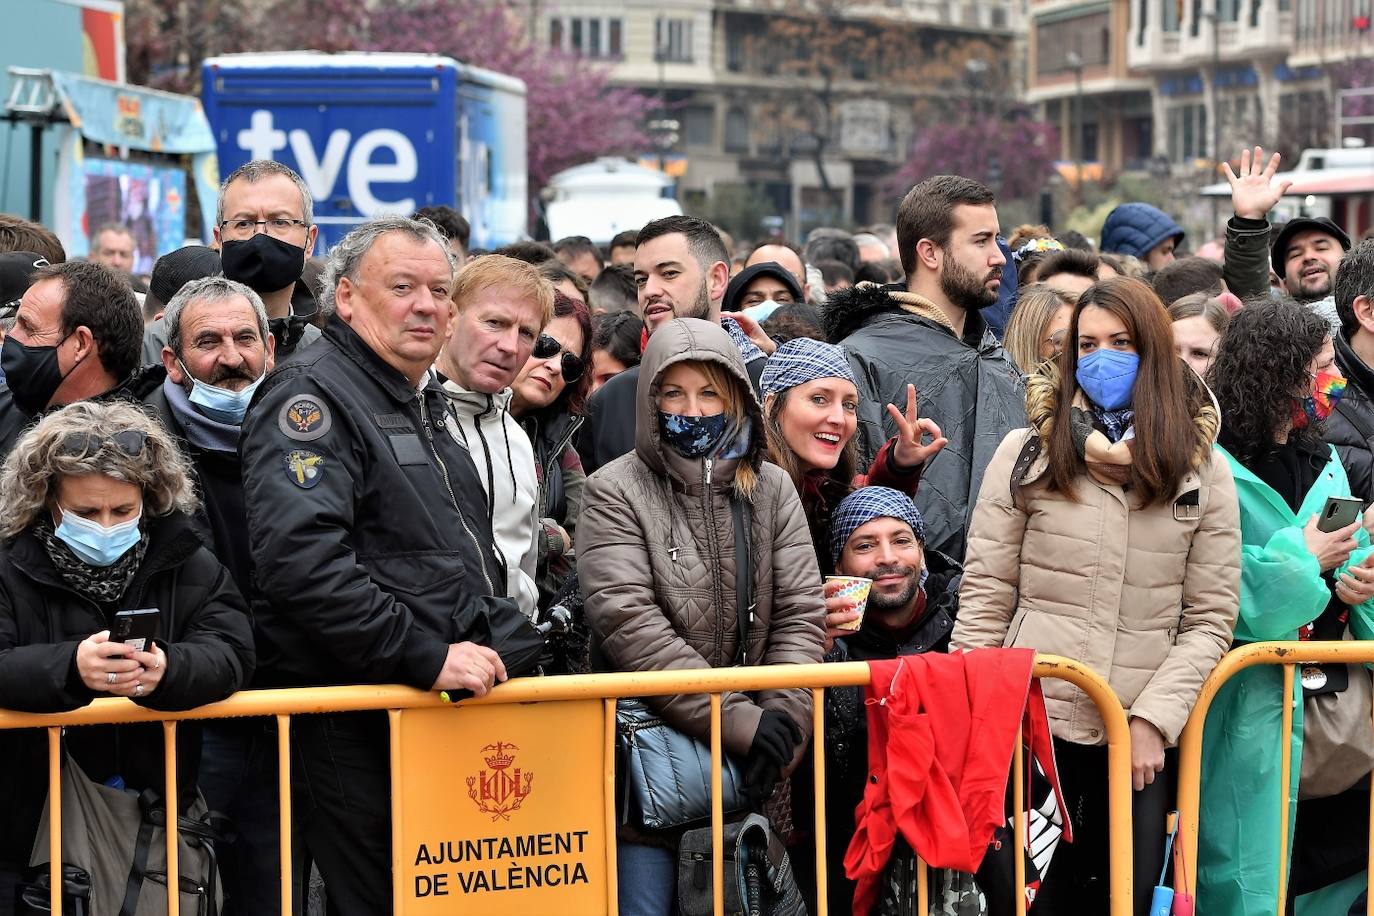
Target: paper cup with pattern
855	588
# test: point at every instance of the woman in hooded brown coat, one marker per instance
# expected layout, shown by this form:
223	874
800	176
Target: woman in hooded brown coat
656	560
1109	533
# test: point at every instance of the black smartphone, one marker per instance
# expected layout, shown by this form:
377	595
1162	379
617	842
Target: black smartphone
135	628
1339	512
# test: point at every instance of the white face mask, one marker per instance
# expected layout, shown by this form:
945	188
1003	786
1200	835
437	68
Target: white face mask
220	403
93	542
763	310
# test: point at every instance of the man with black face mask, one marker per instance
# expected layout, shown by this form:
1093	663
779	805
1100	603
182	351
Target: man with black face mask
930	332
75	338
265	231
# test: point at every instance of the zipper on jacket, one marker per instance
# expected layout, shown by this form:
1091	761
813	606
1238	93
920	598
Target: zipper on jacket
443	472
718	589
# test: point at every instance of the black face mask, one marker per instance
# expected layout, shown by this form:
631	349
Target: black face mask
264	264
32	374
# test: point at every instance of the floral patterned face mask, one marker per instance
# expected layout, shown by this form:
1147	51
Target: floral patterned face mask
1327	389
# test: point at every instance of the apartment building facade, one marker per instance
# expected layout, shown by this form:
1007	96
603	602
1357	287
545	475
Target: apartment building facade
815	119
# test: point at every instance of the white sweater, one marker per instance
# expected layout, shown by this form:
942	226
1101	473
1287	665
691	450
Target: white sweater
505	463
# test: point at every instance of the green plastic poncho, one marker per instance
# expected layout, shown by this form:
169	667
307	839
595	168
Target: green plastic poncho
1281	589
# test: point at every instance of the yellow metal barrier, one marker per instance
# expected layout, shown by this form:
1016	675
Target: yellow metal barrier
443	732
1287	654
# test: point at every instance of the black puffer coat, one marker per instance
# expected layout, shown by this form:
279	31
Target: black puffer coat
969	386
1351	425
203	628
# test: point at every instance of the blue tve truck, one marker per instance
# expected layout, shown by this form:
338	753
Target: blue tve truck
378	133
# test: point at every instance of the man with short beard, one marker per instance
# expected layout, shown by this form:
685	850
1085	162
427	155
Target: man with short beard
1305	255
930	332
682	269
876	533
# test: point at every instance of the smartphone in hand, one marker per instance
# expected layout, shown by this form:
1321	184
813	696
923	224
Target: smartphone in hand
135	628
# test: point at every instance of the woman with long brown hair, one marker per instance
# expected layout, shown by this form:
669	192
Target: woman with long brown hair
1107	532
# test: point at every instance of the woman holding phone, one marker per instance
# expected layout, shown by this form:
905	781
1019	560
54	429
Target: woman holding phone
94	504
1275	380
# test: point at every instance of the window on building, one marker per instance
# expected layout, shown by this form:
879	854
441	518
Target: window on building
1087	36
1307	20
736	131
1142	21
595	37
734	50
1195	27
673	40
699	126
1173	14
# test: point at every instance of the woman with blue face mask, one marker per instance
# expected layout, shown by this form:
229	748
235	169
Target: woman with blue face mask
93	521
657	561
1107	532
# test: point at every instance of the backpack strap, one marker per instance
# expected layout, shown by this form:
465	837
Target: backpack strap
134	887
744	575
1029	452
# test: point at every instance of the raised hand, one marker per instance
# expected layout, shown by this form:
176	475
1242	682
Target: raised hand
909	451
1253	192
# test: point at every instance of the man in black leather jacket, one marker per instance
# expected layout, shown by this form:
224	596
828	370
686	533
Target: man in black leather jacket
1351	426
373	555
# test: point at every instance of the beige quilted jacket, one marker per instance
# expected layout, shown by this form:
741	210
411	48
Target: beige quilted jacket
656	558
1146	597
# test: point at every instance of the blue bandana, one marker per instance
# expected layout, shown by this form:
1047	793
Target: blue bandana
863	506
803	360
748	350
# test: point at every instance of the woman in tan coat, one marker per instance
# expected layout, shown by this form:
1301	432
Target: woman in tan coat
1108	533
656	560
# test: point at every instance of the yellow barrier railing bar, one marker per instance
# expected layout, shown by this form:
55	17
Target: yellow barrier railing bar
282	704
55	820
1018	796
608	749
717	813
393	722
287	869
169	763
818	768
1288	654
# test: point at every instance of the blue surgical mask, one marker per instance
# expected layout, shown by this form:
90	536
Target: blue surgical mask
691	437
1107	377
93	542
220	403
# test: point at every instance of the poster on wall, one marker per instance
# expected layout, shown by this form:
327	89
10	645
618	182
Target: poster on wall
149	200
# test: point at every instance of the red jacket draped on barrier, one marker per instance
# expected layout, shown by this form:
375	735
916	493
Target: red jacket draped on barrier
941	733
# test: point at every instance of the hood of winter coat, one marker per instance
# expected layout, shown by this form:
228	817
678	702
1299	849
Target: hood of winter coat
847	310
681	340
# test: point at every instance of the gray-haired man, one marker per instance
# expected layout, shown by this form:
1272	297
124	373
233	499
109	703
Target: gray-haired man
356	489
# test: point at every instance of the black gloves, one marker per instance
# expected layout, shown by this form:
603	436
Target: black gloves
773	747
1081	424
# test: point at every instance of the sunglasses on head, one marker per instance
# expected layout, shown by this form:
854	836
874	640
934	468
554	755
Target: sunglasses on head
547	347
129	441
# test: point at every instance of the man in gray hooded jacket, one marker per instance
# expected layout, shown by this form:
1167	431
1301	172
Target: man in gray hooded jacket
930	332
501	305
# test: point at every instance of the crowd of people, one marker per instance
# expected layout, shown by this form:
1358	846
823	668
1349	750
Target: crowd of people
394	462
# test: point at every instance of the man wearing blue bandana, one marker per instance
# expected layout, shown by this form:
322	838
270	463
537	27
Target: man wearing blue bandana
877	533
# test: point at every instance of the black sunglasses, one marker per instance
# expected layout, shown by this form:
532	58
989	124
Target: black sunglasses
129	441
546	347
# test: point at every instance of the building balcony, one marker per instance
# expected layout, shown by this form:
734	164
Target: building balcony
1266	32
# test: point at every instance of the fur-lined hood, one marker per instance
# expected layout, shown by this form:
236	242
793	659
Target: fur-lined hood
1042	401
848	309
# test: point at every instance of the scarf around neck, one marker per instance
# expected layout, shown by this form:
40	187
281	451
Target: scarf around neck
102	584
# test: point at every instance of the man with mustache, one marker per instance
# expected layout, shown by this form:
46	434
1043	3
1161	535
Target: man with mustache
502	306
877	533
373	557
1303	253
930	332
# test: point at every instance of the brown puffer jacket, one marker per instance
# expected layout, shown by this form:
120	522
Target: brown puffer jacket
1146	597
656	557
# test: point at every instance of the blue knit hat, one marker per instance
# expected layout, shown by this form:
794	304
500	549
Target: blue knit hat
863	506
1136	228
803	360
